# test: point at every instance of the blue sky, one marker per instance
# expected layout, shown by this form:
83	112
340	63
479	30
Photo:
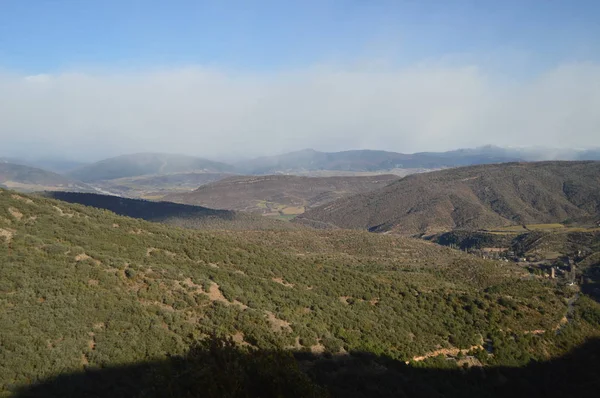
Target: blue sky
40	36
94	78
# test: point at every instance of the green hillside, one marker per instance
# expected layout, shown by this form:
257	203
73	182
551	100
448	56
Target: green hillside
84	289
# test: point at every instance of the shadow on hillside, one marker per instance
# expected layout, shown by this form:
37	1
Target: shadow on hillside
591	282
217	368
138	208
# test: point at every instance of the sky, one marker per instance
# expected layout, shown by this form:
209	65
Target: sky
91	79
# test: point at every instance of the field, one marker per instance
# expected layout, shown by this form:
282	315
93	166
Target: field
525	228
283	217
553	227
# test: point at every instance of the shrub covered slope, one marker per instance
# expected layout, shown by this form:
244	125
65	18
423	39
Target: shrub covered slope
472	197
83	288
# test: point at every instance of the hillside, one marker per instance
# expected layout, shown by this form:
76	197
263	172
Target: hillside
278	194
157	186
144	164
473	197
182	215
82	289
27	179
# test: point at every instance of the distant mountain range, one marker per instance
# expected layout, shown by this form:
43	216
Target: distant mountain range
55	165
473	197
155	175
28	179
370	160
278	194
303	162
145	164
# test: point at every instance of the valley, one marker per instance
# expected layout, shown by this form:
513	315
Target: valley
481	271
311	199
278	195
187	216
336	292
155	187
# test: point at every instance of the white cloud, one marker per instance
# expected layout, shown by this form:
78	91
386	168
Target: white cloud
210	112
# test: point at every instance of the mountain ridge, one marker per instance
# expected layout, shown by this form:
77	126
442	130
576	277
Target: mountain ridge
471	197
364	160
145	163
28	179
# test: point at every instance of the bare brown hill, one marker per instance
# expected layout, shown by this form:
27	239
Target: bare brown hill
473	197
278	194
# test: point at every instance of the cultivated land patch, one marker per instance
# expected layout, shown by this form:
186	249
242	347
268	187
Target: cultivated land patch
529	227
